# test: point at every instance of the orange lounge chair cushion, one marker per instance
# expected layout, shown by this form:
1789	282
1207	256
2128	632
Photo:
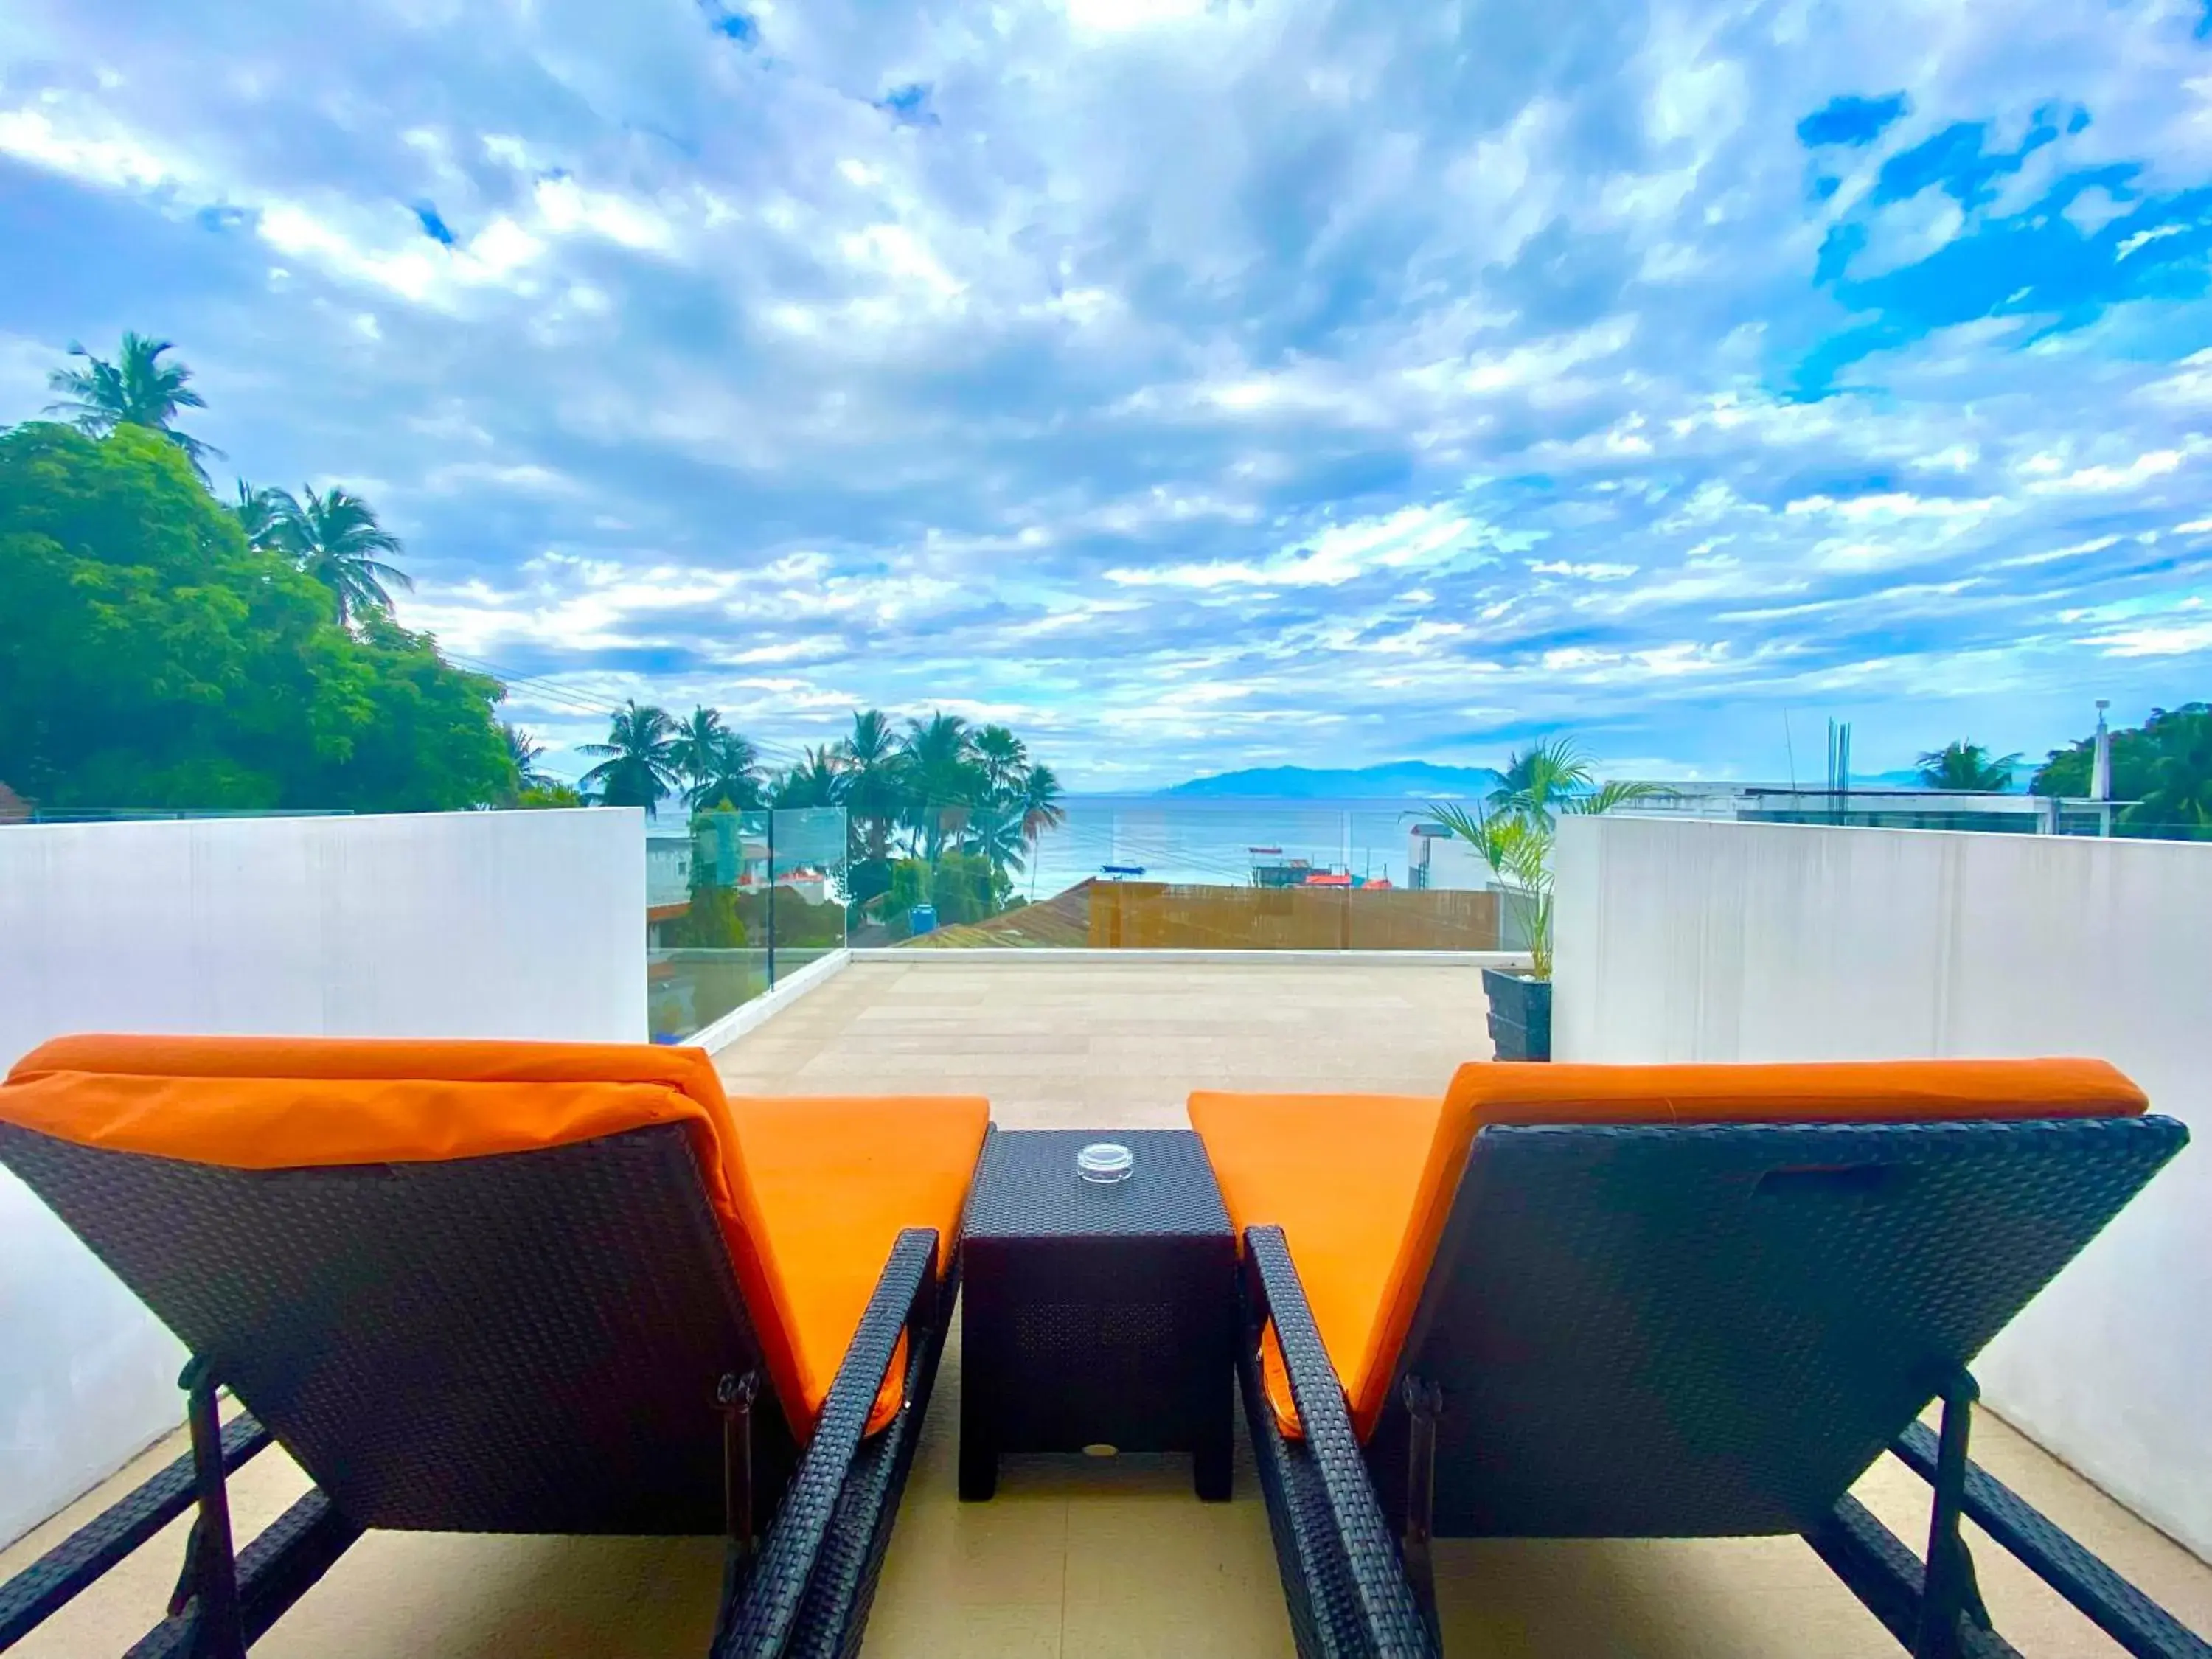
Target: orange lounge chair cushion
278	1103
1362	1185
834	1181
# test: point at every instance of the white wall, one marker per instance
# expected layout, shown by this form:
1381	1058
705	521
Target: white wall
463	924
1721	941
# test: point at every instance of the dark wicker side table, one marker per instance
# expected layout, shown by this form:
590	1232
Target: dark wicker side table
1096	1313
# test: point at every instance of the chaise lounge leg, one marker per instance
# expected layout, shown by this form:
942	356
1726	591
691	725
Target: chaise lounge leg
210	1579
734	1396
1424	1403
1951	1589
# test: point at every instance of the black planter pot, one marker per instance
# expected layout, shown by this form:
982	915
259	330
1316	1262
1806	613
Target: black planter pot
1520	1015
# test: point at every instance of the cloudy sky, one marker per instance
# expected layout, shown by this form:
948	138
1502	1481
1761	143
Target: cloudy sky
1192	383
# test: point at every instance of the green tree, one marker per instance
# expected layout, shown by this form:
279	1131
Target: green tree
993	831
711	923
2163	767
138	389
939	780
735	780
965	888
554	793
809	781
256	511
2178	803
336	539
417	705
1042	811
640	766
1964	764
908	886
1041	798
868	763
1001	760
150	658
695	753
524	751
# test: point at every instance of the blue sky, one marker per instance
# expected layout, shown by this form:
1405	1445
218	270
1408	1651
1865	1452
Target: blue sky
1192	383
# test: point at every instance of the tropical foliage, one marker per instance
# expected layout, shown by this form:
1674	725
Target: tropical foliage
152	657
1964	764
2163	767
138	389
940	812
333	537
524	751
1515	828
640	764
533	788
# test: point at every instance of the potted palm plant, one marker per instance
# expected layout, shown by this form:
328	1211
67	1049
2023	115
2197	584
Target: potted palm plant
1515	831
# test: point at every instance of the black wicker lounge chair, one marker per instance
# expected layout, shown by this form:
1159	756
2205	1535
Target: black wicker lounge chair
1679	1328
552	1340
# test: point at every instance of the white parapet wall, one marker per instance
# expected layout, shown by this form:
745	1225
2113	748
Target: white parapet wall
456	924
1719	941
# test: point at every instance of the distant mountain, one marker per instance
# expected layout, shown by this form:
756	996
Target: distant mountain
1374	782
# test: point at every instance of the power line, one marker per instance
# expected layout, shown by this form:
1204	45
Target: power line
542	690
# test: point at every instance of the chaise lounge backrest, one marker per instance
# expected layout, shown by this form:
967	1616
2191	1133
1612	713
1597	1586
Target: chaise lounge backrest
472	1287
1684	1301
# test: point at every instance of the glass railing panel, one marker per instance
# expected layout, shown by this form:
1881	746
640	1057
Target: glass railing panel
1149	873
737	902
803	911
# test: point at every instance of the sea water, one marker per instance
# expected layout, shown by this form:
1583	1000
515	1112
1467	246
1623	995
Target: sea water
1213	841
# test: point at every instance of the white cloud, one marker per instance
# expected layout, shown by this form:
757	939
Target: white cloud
1592	572
1893	504
2170	640
114	159
2095	544
1412	537
2144	238
2153	464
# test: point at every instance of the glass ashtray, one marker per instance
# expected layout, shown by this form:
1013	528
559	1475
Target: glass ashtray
1105	1162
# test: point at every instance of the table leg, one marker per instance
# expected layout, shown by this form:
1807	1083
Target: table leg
1214	1452
979	1463
979	1450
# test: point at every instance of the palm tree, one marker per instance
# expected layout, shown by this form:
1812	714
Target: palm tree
696	752
639	769
868	763
994	830
1964	765
1001	758
940	778
809	781
334	538
733	775
1514	830
260	515
523	750
137	390
1041	809
1541	777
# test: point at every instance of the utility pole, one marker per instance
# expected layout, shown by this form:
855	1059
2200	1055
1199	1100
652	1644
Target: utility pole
771	898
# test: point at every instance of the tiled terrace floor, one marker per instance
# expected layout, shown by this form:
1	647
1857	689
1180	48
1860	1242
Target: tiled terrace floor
1081	1558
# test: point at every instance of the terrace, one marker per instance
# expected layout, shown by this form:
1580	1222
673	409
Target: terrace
1081	1556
